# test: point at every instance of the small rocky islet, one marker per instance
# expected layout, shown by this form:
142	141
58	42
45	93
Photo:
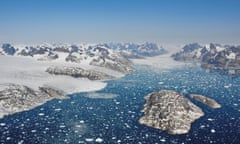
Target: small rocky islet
205	100
170	111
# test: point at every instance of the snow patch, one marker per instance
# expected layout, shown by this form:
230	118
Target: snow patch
231	56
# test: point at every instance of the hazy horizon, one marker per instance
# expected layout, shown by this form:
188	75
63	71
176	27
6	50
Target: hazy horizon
92	21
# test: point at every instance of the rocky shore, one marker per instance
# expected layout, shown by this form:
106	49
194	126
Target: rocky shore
169	111
17	98
78	72
205	100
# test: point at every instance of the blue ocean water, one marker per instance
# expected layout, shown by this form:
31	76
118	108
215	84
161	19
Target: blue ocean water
80	119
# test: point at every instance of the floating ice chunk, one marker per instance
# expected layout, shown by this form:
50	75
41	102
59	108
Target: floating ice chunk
117	103
202	126
99	140
57	109
160	83
90	108
89	139
78	126
2	124
213	130
41	114
21	142
228	86
81	121
210	119
162	140
101	95
33	131
127	125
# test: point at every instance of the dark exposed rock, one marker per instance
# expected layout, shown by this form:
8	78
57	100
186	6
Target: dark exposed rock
131	50
99	54
17	98
114	66
169	111
61	49
188	53
214	56
78	72
31	51
205	100
8	49
72	58
50	56
52	92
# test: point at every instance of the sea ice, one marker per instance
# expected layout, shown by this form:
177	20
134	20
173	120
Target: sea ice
213	130
2	124
89	139
99	140
41	114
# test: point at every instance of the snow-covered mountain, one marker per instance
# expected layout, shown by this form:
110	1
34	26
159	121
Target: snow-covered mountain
132	50
211	55
113	56
99	54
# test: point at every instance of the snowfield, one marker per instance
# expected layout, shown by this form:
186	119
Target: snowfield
163	62
30	72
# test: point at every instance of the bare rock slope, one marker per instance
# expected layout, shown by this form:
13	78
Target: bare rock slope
17	98
78	72
169	111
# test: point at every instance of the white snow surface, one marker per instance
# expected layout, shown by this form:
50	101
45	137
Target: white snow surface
231	56
161	62
220	48
30	72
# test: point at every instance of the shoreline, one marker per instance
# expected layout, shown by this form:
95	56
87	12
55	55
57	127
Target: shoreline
23	80
25	71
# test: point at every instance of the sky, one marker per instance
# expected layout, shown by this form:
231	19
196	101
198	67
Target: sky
98	21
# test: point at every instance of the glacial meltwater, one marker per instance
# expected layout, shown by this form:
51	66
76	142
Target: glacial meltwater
111	115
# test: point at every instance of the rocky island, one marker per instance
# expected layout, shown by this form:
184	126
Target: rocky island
205	100
78	72
17	98
169	111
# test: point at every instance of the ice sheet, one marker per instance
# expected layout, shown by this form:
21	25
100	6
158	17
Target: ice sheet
30	72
